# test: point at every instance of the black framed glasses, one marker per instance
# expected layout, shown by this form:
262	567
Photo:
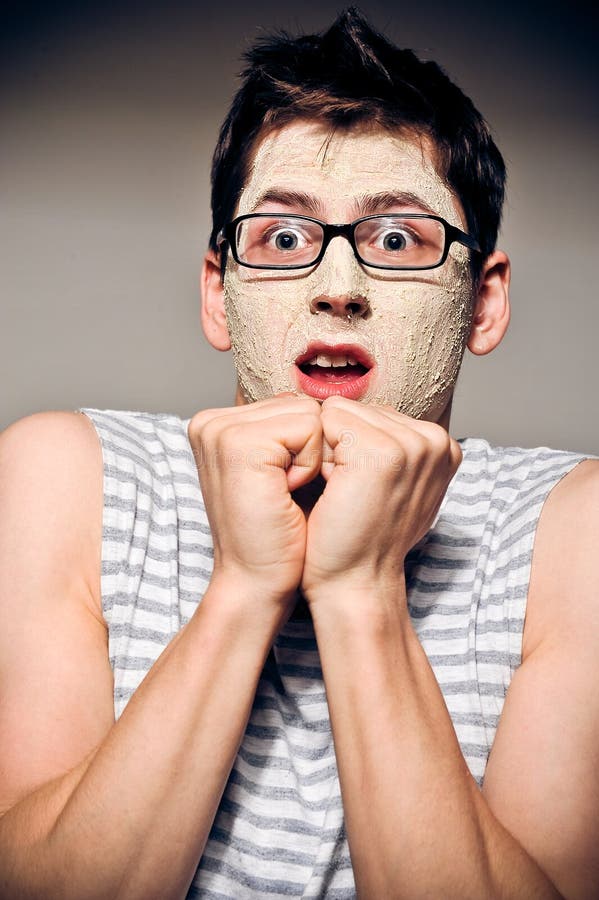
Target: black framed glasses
396	241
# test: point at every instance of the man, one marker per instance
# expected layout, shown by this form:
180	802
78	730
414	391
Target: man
209	580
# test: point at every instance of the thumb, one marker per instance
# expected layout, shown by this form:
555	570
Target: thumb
306	462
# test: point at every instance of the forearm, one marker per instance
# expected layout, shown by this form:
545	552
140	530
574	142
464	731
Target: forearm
132	820
416	822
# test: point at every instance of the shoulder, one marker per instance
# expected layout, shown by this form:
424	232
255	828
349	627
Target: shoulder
51	495
564	583
62	443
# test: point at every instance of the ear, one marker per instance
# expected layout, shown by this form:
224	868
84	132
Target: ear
214	320
492	305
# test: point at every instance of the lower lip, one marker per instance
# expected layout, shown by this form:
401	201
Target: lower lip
352	388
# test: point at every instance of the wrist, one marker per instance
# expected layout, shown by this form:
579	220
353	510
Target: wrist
243	588
361	597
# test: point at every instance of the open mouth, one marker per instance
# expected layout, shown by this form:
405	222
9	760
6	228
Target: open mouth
343	370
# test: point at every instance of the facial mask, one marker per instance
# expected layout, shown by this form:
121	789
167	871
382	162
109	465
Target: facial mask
414	325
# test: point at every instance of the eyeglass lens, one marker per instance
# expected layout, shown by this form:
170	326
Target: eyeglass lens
381	241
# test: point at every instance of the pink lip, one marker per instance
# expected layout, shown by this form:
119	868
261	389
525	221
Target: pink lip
350	387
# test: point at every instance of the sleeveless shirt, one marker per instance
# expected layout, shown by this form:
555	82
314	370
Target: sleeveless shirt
279	828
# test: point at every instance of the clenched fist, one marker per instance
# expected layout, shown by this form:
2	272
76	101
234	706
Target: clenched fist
250	458
386	476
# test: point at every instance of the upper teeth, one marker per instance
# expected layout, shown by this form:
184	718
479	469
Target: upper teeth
327	361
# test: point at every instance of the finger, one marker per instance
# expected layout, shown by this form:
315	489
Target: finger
409	432
328	459
377	414
289	442
251	412
306	452
354	443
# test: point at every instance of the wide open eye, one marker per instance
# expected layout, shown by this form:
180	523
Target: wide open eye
394	239
265	240
286	239
403	241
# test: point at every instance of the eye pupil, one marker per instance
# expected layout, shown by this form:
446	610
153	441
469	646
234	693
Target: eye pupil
394	241
286	241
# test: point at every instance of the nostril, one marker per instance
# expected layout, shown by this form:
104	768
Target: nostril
354	308
341	306
322	305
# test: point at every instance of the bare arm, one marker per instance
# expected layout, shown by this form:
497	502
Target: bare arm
417	824
92	808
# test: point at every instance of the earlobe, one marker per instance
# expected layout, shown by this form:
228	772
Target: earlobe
491	315
214	320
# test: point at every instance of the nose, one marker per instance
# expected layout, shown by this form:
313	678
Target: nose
341	289
340	305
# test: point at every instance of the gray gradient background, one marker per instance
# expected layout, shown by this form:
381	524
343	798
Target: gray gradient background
108	116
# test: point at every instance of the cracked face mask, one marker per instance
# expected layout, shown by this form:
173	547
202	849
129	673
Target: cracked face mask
407	328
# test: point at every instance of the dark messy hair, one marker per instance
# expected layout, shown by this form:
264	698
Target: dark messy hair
352	75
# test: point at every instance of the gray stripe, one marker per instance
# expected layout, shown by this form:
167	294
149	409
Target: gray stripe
452	563
129	504
476	751
274	822
269	853
298	671
150	604
313	699
272	733
153	552
267	761
133	663
472	688
438	538
143	471
296	720
482	657
340	894
242	878
137	632
489	627
196	893
135	570
535	455
475	719
514	592
157	422
157	531
498	504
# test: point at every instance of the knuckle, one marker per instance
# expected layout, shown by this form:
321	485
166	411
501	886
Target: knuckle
209	430
439	439
199	421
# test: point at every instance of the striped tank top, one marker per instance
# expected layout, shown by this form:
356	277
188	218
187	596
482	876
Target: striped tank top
279	829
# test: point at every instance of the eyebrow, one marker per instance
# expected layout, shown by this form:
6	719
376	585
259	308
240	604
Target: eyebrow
370	204
290	198
366	204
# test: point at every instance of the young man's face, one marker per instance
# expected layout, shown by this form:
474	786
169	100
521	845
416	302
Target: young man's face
407	329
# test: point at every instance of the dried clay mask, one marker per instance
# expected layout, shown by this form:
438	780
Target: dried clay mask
412	325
